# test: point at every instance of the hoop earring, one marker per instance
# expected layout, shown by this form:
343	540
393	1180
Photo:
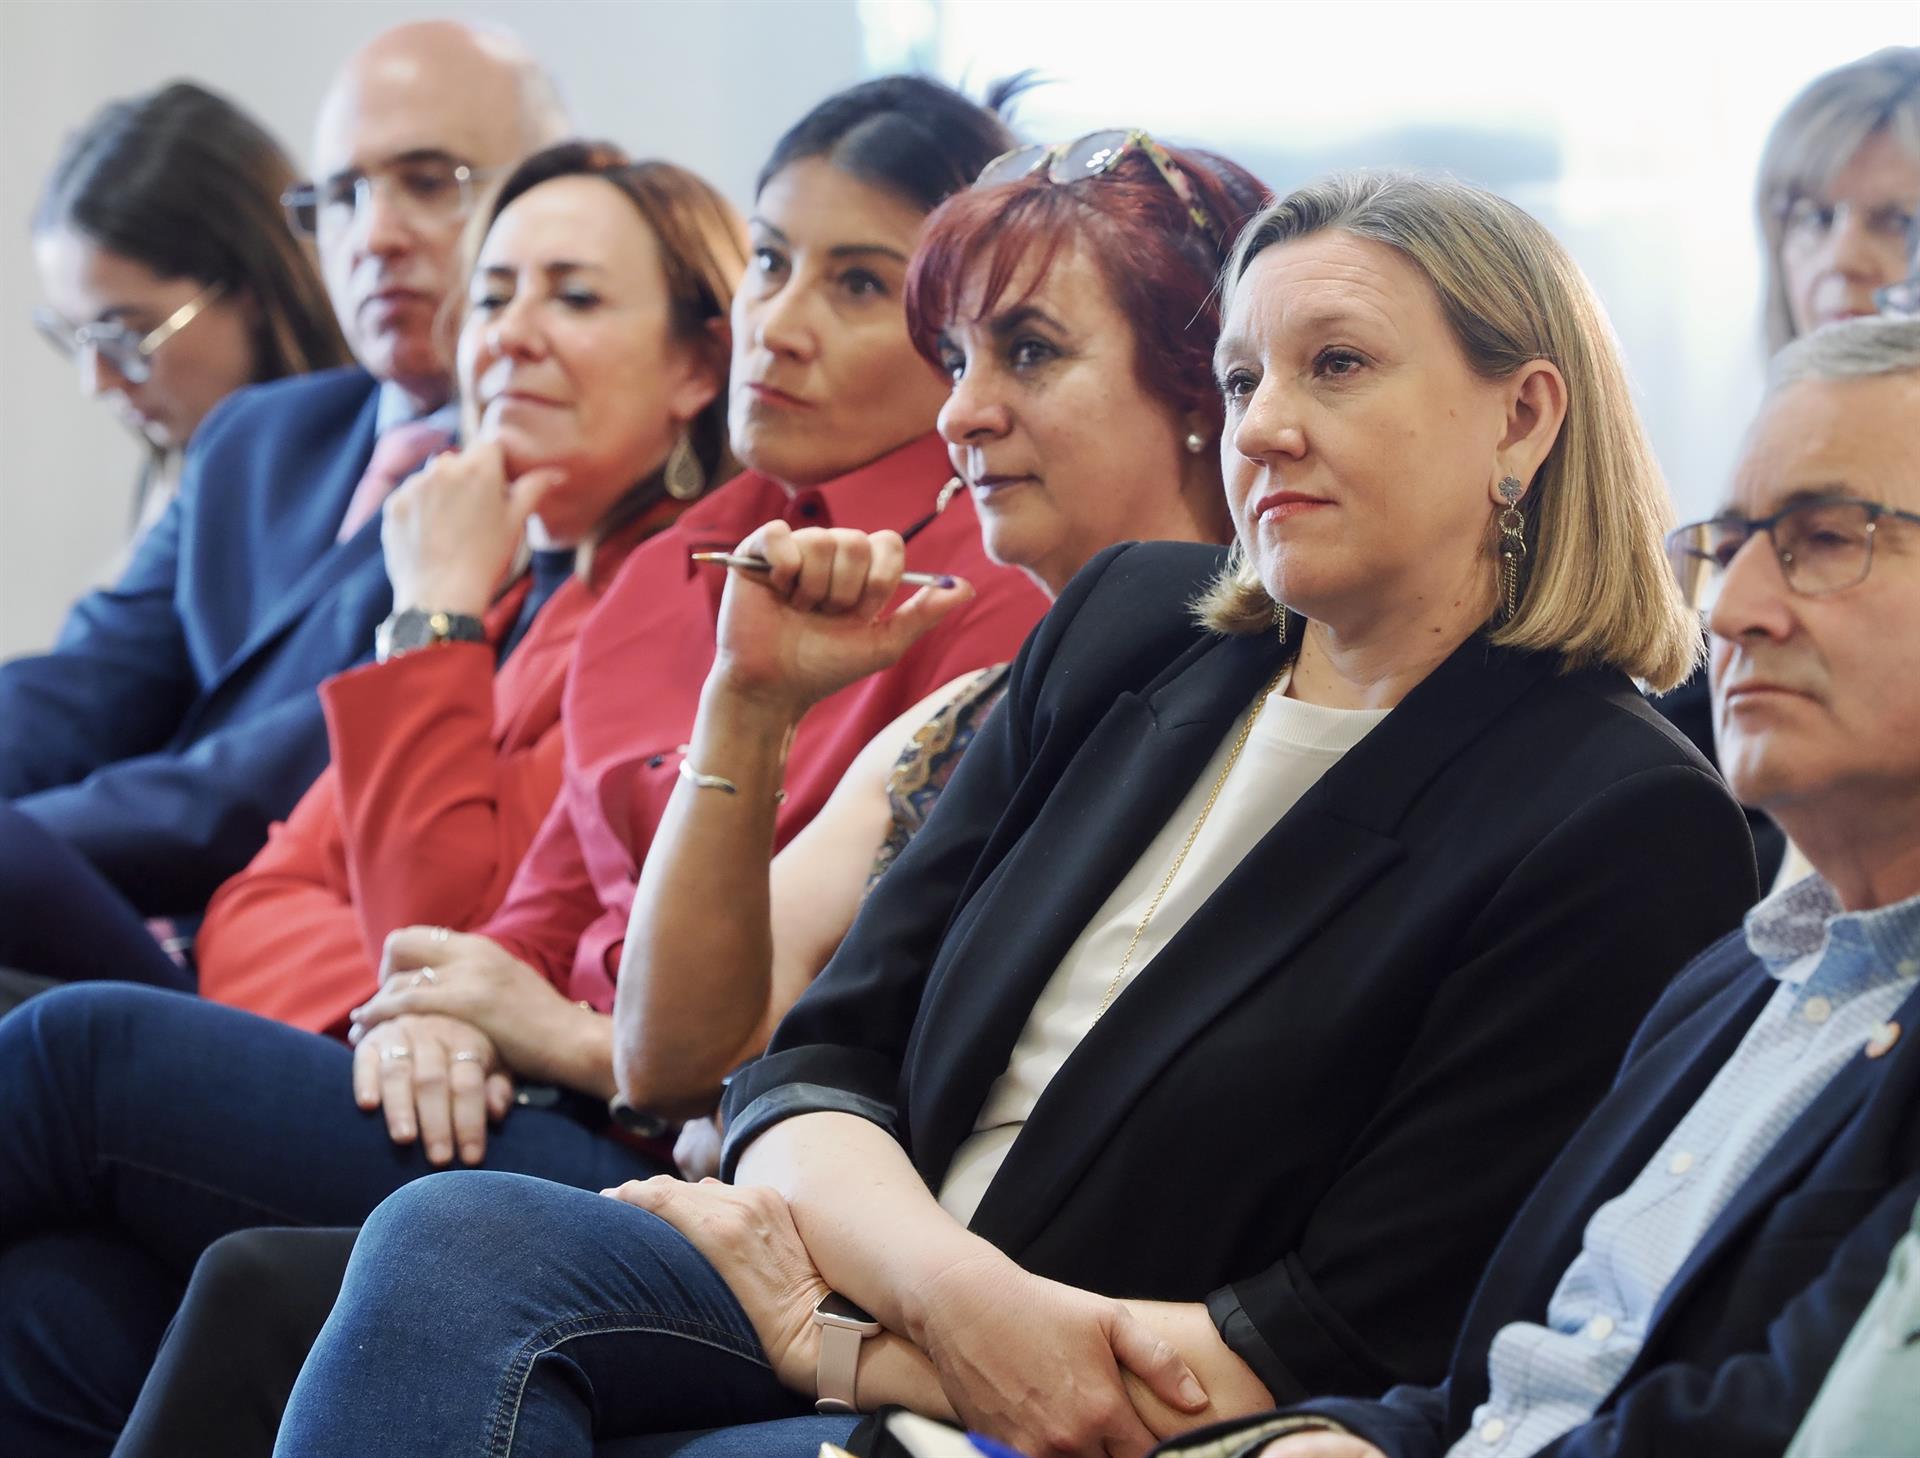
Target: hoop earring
685	477
1513	545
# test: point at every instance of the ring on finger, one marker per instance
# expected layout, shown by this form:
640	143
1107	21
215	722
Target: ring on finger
426	975
465	1055
439	934
395	1053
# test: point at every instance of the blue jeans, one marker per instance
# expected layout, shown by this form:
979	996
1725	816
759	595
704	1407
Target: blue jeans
154	1123
514	1318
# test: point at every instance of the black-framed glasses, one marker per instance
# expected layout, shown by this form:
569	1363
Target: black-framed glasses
129	351
426	188
1095	155
1823	546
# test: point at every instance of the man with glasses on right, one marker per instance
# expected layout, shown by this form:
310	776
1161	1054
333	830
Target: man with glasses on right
144	757
1684	1275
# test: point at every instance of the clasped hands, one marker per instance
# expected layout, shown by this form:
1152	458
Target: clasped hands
1036	1364
456	1015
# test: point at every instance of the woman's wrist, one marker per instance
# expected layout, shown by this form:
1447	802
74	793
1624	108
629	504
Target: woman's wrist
761	709
925	1298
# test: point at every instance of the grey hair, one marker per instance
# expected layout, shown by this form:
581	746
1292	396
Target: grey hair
1816	136
1850	350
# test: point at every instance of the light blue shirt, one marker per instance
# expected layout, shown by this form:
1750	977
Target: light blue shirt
1841	976
394	408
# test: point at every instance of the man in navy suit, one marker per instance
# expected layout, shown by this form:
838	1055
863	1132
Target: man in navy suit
144	757
1684	1275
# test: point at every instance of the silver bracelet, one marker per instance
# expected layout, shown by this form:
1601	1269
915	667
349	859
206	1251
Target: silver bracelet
719	782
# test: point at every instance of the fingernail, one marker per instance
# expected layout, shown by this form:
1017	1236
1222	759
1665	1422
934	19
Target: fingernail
438	1152
1192	1391
403	1131
947	581
470	1153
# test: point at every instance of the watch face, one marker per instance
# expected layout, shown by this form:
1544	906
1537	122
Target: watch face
835	1310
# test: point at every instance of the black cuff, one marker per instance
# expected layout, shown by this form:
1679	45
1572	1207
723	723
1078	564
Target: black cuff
1243	1339
788	1100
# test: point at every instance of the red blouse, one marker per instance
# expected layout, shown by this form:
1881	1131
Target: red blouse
442	772
643	656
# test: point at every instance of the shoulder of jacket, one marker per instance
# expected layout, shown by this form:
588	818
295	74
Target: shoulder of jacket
1127	616
327	398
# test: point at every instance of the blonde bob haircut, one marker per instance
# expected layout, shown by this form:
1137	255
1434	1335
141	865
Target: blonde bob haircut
1597	588
1815	137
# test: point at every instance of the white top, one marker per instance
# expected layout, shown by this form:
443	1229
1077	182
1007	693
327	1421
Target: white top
1291	745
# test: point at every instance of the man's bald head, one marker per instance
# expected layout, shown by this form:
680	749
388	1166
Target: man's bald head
412	103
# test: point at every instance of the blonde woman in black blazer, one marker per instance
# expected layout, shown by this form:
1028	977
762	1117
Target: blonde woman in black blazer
1279	1154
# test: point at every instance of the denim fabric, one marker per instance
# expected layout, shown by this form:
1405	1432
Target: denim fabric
512	1318
60	918
162	1123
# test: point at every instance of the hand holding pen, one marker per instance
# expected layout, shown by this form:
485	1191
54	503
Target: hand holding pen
809	612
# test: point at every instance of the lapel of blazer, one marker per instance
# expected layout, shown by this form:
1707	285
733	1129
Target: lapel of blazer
309	537
1336	841
1112	795
1787	1162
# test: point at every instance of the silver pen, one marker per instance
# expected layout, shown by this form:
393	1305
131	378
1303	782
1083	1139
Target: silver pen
760	564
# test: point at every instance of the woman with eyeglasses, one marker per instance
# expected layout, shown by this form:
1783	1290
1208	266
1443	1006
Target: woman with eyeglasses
169	272
1274	931
1839	192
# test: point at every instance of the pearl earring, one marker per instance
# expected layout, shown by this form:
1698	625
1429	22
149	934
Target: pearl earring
1196	443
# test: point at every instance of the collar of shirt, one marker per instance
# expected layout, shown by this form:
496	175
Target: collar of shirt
394	408
1802	928
890	494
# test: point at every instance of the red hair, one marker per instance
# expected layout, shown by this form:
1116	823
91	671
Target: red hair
1160	267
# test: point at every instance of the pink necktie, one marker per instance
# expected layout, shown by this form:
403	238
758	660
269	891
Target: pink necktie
401	451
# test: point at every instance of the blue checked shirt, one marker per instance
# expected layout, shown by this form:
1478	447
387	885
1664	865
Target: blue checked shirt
1841	976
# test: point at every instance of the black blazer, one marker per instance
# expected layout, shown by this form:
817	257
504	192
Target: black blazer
176	718
1321	1103
1742	1339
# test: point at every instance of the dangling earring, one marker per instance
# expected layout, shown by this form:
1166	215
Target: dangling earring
1280	622
684	476
1196	442
1513	544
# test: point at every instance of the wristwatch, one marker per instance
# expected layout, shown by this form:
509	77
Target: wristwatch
843	1326
405	631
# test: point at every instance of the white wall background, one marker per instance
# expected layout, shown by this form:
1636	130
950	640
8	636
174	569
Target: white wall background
1631	127
708	83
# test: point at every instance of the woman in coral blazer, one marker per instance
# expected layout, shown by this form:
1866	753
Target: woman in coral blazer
446	759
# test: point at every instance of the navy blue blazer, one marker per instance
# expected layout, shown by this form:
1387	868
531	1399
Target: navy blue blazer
175	717
1741	1340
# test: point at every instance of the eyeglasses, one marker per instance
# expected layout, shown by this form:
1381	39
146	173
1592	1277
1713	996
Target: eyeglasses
430	189
1823	546
127	350
1805	222
1095	155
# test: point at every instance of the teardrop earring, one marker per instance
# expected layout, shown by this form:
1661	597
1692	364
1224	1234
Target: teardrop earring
685	477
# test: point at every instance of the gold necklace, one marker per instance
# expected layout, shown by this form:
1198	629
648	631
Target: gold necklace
1233	757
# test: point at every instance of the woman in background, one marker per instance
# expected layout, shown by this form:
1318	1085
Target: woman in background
1839	191
169	271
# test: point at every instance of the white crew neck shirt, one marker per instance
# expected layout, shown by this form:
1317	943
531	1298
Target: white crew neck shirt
1289	747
